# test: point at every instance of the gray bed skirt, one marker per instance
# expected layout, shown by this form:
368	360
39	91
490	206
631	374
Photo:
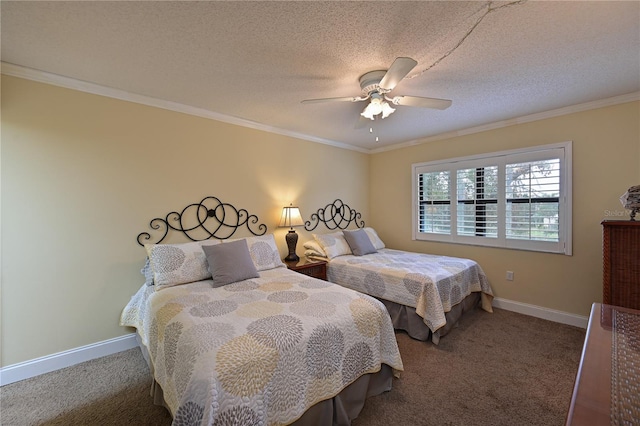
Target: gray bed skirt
405	318
337	411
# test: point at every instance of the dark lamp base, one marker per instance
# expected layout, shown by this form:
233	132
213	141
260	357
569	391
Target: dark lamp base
292	240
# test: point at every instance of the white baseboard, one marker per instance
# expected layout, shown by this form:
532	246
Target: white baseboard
541	312
24	370
35	367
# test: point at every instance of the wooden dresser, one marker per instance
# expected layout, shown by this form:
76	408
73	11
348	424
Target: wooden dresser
621	256
606	386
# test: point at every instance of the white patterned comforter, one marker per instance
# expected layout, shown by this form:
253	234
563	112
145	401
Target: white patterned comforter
430	284
259	351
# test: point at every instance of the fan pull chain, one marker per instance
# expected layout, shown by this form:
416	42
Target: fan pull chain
376	135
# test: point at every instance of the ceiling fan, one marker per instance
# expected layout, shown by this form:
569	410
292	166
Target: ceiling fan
376	85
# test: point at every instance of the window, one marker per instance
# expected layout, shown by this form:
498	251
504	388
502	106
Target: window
515	199
435	211
477	199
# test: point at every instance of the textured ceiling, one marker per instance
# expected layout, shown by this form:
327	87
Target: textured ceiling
256	61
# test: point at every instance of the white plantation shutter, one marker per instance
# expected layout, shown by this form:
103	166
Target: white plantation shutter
515	199
533	206
435	202
477	197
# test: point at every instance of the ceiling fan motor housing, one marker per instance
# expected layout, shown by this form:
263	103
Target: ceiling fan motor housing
369	82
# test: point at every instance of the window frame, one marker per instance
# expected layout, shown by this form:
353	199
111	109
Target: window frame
562	150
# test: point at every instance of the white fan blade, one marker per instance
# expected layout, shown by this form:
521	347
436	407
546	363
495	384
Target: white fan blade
399	70
421	102
345	99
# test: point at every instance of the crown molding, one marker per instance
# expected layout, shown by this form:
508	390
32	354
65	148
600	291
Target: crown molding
96	89
601	103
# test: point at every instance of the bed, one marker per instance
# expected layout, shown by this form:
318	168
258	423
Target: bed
424	294
272	348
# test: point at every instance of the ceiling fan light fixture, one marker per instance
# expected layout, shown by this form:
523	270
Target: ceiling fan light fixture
377	106
368	114
386	110
374	108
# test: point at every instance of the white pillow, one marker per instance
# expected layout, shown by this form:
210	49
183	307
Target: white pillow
147	272
264	252
333	244
375	240
175	264
312	256
314	249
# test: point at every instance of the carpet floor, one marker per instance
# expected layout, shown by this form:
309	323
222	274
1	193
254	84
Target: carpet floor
493	369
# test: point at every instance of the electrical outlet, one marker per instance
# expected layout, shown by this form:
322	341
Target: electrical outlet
509	275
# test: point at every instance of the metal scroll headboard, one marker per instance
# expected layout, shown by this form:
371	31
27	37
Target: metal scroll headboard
210	218
335	215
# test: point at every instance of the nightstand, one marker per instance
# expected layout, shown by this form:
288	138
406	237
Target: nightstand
307	267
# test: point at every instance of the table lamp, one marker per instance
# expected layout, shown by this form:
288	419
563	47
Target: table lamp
291	217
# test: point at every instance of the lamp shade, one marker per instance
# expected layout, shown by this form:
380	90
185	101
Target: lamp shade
290	217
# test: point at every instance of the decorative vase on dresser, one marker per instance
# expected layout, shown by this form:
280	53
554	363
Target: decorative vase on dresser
621	263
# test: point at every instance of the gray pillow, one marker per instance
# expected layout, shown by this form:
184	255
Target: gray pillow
230	262
359	242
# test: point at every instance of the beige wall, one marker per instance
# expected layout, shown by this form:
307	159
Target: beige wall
82	175
606	155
